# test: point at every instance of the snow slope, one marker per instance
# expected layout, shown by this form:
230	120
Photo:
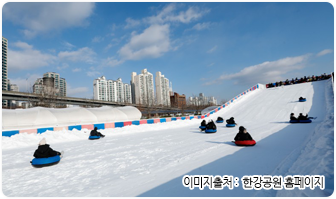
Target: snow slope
150	160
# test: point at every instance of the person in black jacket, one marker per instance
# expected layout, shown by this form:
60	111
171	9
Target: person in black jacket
302	117
220	119
301	98
292	117
94	132
44	150
231	121
211	125
242	135
203	123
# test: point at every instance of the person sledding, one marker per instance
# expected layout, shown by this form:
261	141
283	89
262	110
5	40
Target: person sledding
203	125
230	121
292	117
220	120
211	127
303	117
44	150
94	132
242	135
301	99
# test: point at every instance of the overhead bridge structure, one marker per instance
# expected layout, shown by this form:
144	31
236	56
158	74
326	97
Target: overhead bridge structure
30	97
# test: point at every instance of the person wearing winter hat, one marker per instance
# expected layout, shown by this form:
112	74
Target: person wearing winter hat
211	125
292	117
303	117
44	150
242	135
231	121
96	133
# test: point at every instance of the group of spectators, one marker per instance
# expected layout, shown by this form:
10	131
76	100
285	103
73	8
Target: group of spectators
301	80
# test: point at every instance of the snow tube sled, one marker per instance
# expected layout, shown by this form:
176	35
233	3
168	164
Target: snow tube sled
305	121
302	100
230	125
300	121
245	142
219	121
42	162
294	121
210	130
94	137
202	127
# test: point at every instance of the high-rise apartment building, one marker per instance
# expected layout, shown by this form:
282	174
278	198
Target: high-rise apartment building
162	90
43	85
143	88
113	91
4	67
59	83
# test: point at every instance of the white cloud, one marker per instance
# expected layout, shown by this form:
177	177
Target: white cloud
97	39
81	55
202	26
131	23
152	43
111	61
40	17
167	15
265	72
27	58
68	45
212	49
210	64
324	52
92	73
75	70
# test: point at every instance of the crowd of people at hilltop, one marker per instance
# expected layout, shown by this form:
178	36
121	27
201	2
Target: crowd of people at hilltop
301	80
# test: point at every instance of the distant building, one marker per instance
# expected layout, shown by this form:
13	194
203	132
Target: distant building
110	90
202	100
38	86
162	90
59	83
12	87
178	101
143	87
4	67
212	101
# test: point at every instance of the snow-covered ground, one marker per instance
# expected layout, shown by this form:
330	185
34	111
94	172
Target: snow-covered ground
151	159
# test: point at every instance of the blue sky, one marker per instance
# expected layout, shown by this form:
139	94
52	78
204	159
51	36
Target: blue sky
219	49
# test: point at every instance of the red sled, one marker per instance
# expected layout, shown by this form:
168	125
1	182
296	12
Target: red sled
245	143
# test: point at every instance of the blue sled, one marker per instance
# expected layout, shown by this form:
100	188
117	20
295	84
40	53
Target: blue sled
300	121
42	162
230	125
305	121
303	100
219	121
211	130
202	127
94	137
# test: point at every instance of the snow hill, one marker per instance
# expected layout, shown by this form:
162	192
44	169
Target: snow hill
151	159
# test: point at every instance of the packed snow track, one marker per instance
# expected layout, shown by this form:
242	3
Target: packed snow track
151	159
